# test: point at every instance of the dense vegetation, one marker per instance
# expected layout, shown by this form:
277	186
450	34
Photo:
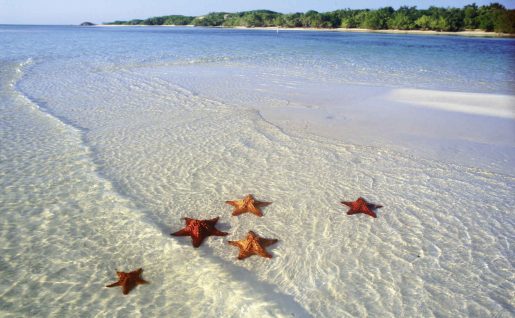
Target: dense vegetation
493	17
164	20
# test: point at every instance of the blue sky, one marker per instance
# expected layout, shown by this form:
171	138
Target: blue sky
77	11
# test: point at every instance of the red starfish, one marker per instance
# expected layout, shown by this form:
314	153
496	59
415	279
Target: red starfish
361	206
253	245
129	280
199	230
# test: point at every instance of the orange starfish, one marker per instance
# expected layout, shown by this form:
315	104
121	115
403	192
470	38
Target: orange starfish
362	206
129	280
199	230
248	204
253	245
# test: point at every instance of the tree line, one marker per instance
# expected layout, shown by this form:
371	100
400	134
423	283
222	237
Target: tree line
493	17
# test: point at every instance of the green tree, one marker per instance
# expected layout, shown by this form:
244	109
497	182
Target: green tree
401	21
487	16
423	23
331	19
438	24
211	19
154	21
177	20
312	19
293	20
360	18
349	22
454	19
505	21
280	21
252	20
378	19
470	13
404	18
350	18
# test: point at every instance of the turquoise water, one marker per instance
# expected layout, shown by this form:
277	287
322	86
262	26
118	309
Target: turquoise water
108	136
435	62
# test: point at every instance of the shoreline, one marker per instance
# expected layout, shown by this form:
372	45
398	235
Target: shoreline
468	33
418	32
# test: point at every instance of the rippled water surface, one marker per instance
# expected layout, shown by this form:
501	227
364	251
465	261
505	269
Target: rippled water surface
109	136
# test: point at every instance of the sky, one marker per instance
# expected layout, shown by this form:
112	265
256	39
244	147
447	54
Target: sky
98	11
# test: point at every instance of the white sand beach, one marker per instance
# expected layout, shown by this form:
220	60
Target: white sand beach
108	143
420	32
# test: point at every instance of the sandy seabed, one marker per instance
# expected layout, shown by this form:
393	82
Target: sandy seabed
100	188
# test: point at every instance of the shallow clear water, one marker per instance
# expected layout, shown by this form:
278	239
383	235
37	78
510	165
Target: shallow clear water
110	135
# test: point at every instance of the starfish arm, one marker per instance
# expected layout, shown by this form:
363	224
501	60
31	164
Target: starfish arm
235	243
114	284
268	242
188	221
262	252
184	232
213	220
244	254
141	281
371	213
197	240
349	204
233	203
239	211
255	210
241	246
351	212
127	287
374	206
261	204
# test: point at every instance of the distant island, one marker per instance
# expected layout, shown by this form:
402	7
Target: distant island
491	18
87	24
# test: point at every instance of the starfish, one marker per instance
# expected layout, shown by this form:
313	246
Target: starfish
253	245
361	206
129	280
248	204
199	230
